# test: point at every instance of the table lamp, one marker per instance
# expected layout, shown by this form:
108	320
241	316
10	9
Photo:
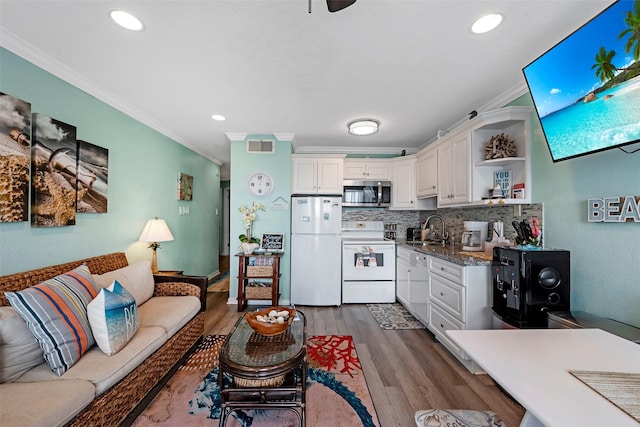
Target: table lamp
156	230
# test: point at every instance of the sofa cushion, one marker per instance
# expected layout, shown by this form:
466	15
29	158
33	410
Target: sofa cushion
52	403
102	370
135	278
56	314
19	350
113	316
170	313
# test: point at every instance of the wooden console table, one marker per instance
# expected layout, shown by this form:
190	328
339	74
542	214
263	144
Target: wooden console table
263	268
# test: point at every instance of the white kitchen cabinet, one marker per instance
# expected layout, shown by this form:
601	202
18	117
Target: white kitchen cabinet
403	181
454	170
403	268
427	172
460	298
367	169
317	175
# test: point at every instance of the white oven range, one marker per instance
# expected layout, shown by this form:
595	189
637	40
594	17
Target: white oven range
368	263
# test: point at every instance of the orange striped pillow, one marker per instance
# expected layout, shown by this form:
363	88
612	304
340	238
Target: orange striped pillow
56	314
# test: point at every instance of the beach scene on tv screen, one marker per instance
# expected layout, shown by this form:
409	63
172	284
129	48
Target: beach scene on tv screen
586	89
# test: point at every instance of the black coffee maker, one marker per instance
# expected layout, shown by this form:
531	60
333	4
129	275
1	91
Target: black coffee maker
529	283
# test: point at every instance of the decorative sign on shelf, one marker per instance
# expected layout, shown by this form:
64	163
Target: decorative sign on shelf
279	204
614	209
503	179
272	242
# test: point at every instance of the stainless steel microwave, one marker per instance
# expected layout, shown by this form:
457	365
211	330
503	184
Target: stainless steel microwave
372	194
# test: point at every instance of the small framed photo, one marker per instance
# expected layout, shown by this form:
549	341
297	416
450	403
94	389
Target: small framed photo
272	242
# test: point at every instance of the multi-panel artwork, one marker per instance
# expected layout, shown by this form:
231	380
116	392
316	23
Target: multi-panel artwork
15	128
41	160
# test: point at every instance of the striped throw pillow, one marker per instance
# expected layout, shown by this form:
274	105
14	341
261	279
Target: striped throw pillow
56	314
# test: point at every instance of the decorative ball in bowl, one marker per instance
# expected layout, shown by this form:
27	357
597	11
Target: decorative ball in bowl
271	321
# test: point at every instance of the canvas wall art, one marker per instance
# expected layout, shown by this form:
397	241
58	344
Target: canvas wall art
185	186
54	163
15	131
93	173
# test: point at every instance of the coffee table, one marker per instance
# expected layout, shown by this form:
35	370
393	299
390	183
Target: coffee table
269	372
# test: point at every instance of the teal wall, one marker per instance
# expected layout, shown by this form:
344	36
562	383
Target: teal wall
143	170
605	257
278	166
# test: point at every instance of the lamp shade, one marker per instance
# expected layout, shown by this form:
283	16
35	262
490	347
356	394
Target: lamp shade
156	230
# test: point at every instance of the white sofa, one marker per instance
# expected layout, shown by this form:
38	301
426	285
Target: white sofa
99	389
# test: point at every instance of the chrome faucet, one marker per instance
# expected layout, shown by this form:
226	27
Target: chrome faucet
445	235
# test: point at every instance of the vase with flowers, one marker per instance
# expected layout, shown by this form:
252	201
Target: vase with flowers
248	243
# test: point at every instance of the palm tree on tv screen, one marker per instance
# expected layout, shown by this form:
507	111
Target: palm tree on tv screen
605	70
632	20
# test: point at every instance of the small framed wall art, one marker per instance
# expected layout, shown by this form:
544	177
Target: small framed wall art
185	186
272	242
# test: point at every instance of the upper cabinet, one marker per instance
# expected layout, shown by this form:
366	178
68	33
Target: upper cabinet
468	166
454	171
367	169
427	172
403	181
317	174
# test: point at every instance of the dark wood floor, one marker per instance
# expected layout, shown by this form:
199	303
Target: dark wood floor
406	370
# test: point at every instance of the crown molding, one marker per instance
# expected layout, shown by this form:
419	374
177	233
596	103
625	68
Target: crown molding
284	136
351	150
28	52
236	136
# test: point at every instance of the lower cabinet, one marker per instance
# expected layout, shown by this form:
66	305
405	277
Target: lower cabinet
459	298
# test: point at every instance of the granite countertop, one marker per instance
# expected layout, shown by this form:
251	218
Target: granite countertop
454	254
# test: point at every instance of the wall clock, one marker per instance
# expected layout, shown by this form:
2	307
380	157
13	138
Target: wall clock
260	184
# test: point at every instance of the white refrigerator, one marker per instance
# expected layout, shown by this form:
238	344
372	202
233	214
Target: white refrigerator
316	247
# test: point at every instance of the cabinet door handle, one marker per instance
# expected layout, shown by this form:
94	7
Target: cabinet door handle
441	326
441	294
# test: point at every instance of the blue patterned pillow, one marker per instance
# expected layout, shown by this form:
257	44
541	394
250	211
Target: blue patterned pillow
113	316
56	314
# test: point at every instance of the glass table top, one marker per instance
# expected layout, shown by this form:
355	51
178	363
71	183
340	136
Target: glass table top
246	348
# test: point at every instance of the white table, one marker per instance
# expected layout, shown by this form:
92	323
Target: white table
533	365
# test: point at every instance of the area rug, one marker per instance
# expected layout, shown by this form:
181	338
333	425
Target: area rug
221	284
337	393
394	316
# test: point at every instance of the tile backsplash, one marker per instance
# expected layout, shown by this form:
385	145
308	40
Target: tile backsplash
454	217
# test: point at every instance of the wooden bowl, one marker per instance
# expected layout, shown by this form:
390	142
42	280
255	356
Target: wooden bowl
269	329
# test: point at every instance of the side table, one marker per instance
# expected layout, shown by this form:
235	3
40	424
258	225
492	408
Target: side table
260	267
176	276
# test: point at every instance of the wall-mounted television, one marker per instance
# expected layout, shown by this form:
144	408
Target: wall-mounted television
586	89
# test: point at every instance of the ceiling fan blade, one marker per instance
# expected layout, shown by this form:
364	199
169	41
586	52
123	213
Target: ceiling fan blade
336	5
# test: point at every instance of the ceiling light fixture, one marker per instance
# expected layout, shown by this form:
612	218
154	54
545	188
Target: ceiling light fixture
218	117
486	23
362	127
126	20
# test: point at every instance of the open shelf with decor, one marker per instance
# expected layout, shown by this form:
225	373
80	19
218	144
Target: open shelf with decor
500	143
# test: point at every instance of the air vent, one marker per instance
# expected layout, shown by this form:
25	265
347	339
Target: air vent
260	146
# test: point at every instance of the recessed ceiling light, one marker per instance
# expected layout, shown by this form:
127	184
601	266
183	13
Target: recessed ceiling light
126	20
486	23
362	127
218	117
